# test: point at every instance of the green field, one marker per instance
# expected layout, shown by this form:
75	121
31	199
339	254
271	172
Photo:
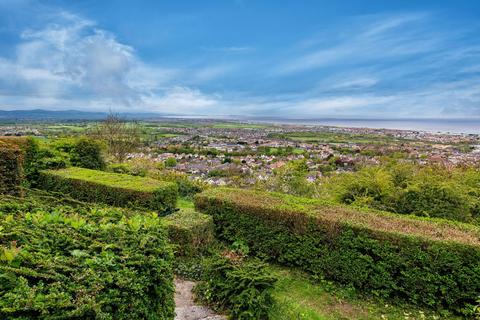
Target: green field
335	137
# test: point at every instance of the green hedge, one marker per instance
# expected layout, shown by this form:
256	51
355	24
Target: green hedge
64	262
191	231
111	188
11	168
430	262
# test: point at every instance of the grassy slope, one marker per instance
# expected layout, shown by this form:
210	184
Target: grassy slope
298	298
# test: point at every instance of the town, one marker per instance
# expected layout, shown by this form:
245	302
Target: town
242	153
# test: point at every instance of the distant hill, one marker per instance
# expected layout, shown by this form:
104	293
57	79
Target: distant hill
67	115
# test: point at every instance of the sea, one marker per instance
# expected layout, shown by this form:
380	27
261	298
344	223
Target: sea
453	126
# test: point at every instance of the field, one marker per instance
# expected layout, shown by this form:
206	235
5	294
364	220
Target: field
334	137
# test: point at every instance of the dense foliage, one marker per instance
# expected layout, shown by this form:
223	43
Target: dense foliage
411	189
11	168
111	188
291	179
423	261
65	261
87	153
242	287
191	231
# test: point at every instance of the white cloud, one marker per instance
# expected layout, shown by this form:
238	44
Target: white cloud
72	63
182	100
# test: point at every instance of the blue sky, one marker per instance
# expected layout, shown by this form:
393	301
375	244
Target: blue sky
296	59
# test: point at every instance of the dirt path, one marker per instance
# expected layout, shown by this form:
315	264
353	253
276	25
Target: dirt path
185	307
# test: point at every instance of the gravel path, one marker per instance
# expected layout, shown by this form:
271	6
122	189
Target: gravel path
185	307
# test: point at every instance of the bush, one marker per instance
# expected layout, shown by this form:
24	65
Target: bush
87	153
242	287
171	162
372	187
11	169
434	199
191	231
35	158
60	262
186	188
115	189
424	261
125	168
292	179
433	191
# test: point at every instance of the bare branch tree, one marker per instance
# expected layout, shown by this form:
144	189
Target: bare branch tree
121	137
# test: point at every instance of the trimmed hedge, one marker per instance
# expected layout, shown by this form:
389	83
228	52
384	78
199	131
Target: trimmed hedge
424	261
63	262
191	231
111	188
11	168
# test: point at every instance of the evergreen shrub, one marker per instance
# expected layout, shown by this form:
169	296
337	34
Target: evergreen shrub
64	262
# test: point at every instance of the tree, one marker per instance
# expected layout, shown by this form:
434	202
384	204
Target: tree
87	153
292	179
121	137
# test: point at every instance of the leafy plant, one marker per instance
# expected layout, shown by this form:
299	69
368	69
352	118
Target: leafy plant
87	153
76	262
242	287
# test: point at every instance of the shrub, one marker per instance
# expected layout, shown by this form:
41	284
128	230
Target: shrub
35	158
435	200
433	191
191	231
87	153
115	189
424	261
187	188
11	169
242	287
292	179
370	186
170	162
60	262
128	168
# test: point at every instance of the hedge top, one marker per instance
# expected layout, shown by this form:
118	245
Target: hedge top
114	180
292	209
13	142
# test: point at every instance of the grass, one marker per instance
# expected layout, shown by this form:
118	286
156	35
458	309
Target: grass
114	180
188	218
167	135
335	137
184	203
298	297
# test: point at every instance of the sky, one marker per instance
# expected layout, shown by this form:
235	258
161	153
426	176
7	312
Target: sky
289	59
